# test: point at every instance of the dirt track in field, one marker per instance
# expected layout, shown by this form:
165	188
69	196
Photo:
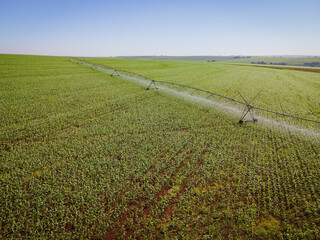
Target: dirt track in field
316	70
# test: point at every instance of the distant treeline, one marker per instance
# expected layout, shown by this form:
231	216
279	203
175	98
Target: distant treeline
312	64
237	57
271	63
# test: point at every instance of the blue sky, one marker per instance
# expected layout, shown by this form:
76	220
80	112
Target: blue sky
164	27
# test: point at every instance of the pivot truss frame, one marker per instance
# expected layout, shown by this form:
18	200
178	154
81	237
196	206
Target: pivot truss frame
115	72
248	109
152	83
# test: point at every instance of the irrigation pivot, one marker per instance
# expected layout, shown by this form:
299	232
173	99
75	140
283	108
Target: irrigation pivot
247	110
115	72
152	83
248	107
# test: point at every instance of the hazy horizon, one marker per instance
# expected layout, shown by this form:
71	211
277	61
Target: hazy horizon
152	28
121	56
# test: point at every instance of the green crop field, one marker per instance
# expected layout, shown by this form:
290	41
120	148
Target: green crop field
292	90
84	155
293	60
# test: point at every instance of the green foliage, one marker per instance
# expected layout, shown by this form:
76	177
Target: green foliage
85	155
173	191
283	90
268	228
294	60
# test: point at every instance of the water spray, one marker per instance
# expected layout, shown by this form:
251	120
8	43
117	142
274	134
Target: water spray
235	111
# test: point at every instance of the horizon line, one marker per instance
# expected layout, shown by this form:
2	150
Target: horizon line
231	55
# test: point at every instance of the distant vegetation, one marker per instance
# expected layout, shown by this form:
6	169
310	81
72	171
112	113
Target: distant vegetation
311	64
271	63
237	57
290	61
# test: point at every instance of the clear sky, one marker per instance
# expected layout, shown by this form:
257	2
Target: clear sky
160	27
